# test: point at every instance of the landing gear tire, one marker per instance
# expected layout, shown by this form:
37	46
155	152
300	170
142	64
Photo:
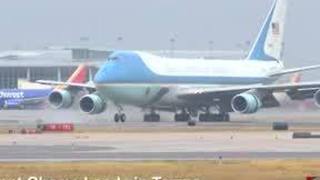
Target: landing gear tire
116	118
151	118
183	117
192	123
123	118
120	117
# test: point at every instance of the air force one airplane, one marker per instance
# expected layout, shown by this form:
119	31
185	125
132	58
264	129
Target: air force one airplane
194	87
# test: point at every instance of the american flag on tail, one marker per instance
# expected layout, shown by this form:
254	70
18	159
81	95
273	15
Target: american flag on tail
275	28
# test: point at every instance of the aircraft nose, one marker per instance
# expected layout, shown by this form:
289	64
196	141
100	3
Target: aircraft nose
105	73
100	75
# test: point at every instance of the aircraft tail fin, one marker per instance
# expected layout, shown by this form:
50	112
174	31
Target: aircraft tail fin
79	75
269	44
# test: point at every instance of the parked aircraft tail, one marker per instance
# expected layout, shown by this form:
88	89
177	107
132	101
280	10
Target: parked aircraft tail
78	76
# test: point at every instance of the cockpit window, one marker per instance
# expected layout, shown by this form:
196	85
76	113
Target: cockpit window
114	58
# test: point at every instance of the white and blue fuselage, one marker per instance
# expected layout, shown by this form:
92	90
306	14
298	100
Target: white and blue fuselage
136	78
139	78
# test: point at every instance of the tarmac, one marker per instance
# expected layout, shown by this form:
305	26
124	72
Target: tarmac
248	137
132	146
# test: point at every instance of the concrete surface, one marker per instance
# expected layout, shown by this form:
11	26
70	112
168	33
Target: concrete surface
156	146
99	138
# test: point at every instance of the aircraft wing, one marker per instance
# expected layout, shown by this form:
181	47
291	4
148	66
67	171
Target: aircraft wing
294	70
297	87
234	90
88	86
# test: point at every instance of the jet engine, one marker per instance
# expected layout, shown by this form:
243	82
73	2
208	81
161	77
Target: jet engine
92	104
60	99
317	98
246	103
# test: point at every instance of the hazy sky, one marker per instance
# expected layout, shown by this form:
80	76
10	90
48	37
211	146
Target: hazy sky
149	24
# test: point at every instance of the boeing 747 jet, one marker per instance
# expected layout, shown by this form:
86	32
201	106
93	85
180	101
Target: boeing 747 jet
194	88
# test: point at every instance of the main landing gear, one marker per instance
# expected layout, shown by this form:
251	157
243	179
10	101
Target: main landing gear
152	117
186	116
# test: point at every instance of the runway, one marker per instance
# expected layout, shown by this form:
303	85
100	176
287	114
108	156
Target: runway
98	138
48	154
156	146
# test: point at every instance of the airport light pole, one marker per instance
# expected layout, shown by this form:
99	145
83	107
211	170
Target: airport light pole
210	45
172	44
119	41
248	44
84	40
210	48
243	47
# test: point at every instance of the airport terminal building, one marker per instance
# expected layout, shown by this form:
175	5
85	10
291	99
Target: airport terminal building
55	65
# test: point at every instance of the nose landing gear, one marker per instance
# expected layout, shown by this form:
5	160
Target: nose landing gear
120	116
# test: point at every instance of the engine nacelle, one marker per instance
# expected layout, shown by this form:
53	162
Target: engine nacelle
92	104
246	103
316	97
60	99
